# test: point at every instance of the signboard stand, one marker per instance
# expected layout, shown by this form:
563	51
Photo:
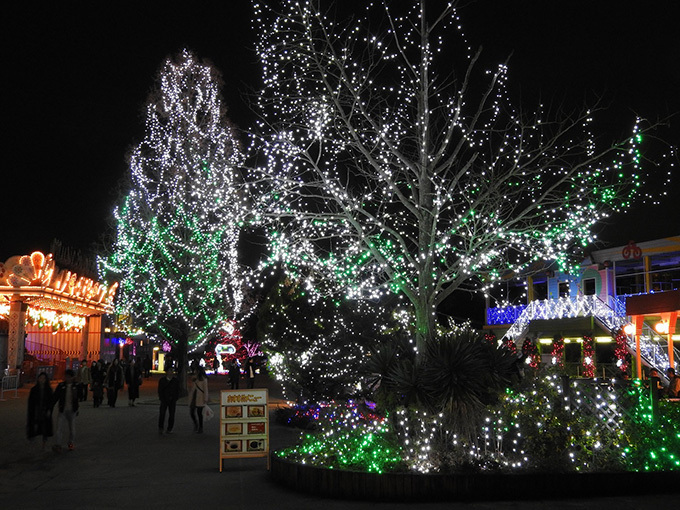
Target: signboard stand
244	424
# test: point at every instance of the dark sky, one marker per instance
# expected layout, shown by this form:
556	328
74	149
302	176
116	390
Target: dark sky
77	74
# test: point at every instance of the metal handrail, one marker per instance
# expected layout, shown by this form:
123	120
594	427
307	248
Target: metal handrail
653	349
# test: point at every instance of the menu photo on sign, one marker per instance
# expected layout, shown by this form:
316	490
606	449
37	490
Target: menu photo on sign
256	445
231	445
257	428
255	411
234	411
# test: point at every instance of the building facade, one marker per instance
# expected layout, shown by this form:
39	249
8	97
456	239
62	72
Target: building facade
617	314
49	316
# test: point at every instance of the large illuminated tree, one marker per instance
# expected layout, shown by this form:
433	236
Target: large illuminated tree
396	164
175	251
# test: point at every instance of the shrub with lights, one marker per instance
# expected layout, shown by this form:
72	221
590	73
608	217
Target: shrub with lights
588	356
533	428
537	425
653	438
558	352
621	352
532	355
316	346
347	439
437	399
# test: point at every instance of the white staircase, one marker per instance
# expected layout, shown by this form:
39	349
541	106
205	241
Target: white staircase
653	347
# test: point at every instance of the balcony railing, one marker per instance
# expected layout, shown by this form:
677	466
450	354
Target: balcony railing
566	308
653	347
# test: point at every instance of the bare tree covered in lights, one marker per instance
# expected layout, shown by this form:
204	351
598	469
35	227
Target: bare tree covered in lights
391	170
175	251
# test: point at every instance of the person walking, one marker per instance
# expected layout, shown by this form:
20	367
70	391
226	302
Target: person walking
84	379
39	420
97	375
168	393
133	378
146	366
198	398
113	382
66	396
250	372
234	374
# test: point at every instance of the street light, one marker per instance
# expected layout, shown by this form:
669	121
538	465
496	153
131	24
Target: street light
661	327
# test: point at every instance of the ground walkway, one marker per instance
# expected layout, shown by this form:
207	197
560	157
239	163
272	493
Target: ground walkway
120	461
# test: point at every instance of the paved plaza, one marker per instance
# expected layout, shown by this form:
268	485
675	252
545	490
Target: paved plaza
121	461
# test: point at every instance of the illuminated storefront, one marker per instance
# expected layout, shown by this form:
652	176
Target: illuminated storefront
50	313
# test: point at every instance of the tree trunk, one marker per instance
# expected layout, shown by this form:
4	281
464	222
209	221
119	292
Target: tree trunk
424	321
182	365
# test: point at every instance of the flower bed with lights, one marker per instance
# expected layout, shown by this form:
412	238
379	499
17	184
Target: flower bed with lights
593	437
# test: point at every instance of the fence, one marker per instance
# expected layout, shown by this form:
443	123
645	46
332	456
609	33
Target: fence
9	383
611	400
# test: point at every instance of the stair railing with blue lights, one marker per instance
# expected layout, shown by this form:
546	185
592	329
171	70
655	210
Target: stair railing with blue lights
653	347
566	308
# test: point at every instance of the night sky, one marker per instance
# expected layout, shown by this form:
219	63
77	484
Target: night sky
77	75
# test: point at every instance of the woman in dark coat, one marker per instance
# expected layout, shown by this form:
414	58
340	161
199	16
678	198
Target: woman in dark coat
97	374
40	409
114	381
234	374
133	378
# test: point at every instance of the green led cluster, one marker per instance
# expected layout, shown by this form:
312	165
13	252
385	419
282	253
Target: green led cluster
347	441
653	440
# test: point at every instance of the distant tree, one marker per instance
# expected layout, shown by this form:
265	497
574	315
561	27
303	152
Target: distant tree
67	257
176	246
390	169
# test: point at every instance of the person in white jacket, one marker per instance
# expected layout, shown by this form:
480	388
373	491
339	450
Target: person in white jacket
198	398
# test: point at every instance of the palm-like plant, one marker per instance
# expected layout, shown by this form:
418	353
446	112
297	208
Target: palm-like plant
457	376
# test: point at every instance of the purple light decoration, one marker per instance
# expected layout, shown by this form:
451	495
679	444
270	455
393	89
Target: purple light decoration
253	349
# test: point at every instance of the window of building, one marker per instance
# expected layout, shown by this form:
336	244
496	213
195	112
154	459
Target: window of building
541	291
564	289
589	287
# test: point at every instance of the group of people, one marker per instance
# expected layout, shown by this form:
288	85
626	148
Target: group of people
673	388
97	377
168	394
100	376
41	402
234	372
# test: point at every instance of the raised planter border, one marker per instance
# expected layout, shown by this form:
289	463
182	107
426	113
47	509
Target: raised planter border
335	483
